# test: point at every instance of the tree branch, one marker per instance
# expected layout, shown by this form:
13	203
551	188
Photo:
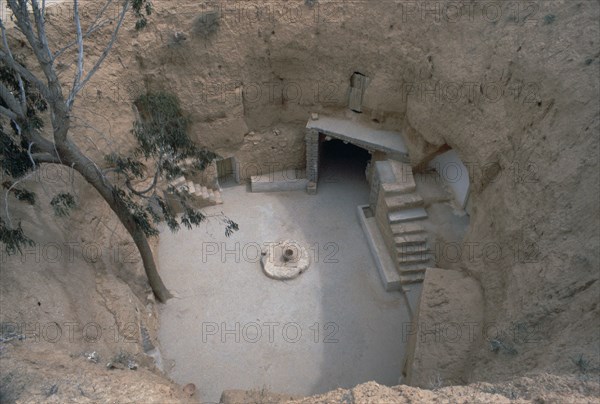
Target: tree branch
40	48
152	185
19	79
26	74
21	12
145	191
10	101
41	143
7	211
77	78
7	57
105	53
89	32
41	30
8	113
41	158
96	25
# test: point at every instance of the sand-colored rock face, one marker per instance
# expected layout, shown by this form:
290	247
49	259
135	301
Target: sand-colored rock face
515	94
31	375
449	323
81	288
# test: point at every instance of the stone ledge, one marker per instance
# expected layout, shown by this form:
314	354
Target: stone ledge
278	181
385	265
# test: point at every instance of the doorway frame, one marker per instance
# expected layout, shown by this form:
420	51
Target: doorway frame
314	141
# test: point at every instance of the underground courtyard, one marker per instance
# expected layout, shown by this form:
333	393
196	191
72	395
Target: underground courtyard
307	333
357	202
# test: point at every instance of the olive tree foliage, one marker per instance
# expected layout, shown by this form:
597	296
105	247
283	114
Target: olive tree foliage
33	96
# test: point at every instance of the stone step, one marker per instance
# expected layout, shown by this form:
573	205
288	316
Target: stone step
397	188
191	188
177	182
406	228
218	198
412	249
418	258
204	191
405	201
414	268
410	239
198	192
406	215
183	187
408	279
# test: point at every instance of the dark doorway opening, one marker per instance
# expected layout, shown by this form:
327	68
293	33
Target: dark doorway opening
341	160
226	172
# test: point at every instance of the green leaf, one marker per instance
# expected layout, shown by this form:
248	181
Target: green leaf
14	159
14	239
21	194
141	9
230	227
126	165
138	212
63	203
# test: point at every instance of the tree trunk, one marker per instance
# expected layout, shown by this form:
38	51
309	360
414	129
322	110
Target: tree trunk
92	175
139	238
64	150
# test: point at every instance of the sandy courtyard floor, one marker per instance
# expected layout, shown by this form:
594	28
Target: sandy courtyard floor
231	327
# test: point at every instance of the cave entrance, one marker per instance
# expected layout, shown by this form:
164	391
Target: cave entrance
366	143
342	161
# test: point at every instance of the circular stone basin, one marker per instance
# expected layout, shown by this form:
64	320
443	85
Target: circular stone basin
284	260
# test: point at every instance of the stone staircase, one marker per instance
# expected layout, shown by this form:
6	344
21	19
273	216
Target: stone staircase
200	196
199	193
400	217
